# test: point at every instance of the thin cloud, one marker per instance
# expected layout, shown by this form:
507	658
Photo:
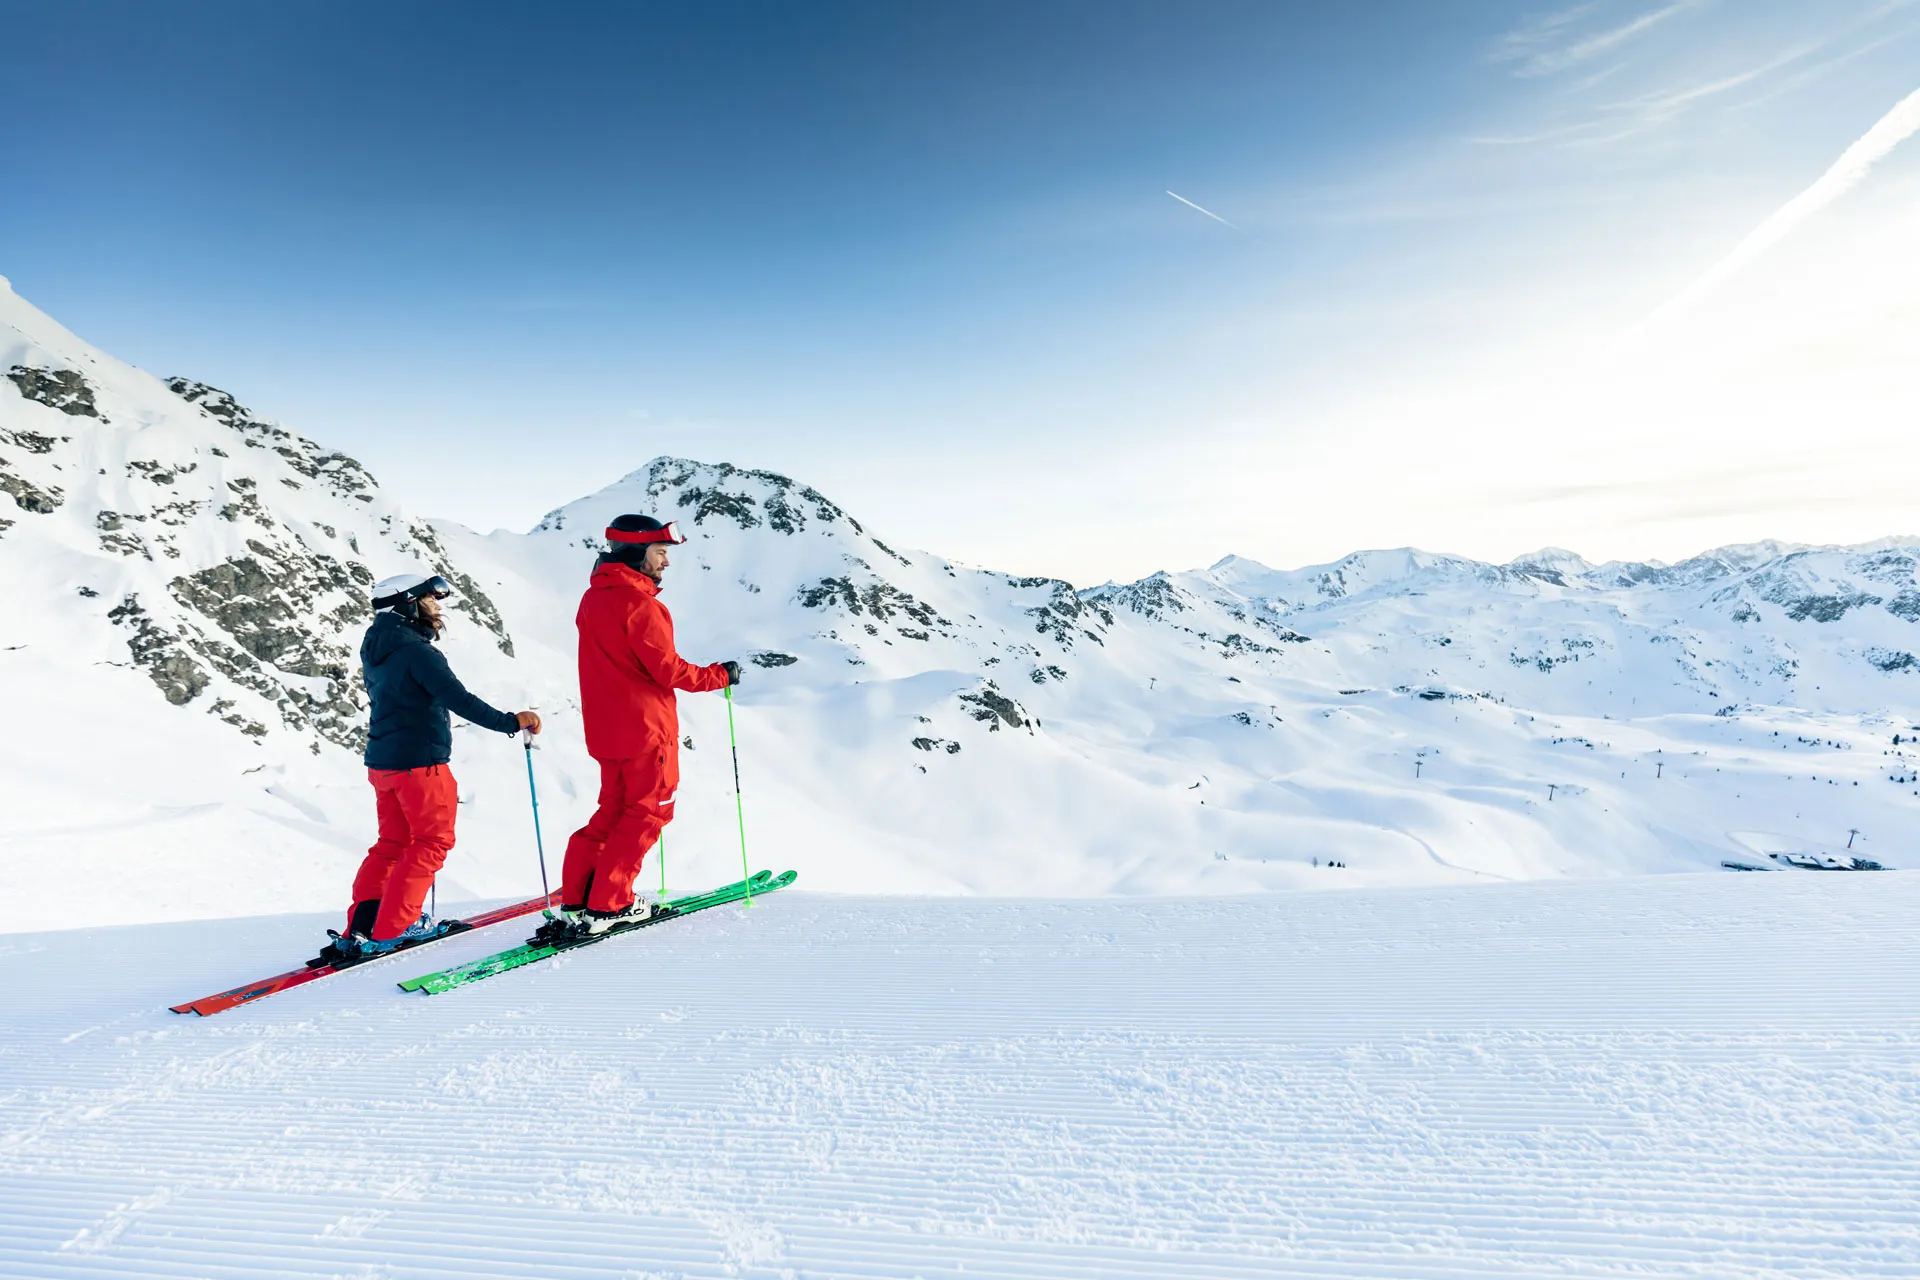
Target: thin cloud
1210	213
1854	164
1627	117
1657	108
1603	122
1540	49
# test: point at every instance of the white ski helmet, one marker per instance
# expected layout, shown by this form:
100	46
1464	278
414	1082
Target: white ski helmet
400	591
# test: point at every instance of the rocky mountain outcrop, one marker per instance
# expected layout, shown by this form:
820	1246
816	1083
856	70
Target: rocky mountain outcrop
230	556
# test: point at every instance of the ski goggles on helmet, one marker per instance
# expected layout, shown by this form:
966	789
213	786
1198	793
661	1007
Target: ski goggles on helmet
436	586
668	532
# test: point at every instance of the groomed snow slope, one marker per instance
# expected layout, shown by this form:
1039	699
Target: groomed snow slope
1693	1075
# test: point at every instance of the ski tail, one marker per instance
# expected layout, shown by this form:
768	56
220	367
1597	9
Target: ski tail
531	951
220	1002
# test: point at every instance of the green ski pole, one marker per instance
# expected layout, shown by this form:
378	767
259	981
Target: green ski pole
663	866
739	809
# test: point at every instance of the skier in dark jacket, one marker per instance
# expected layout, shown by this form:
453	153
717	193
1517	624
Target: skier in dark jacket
409	742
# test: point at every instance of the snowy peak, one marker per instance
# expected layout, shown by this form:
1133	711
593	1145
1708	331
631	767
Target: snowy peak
700	492
803	557
1550	564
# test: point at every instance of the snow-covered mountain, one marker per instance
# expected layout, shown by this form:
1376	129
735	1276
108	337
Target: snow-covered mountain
187	585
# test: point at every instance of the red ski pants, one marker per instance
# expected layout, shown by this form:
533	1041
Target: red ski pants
636	804
416	808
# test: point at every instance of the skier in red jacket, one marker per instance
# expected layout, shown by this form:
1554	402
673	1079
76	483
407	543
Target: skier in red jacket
629	670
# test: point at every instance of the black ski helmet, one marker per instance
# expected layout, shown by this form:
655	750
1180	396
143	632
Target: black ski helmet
629	536
631	531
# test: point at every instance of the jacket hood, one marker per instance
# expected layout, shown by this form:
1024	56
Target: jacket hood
611	574
389	633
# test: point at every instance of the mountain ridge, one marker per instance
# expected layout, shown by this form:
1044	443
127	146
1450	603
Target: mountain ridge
191	582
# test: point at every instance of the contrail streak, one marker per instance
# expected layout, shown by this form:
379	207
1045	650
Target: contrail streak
1854	163
1210	213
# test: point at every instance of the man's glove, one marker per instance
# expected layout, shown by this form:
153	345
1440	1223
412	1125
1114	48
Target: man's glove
733	671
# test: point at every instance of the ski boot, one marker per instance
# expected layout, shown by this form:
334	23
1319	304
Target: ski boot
360	947
595	923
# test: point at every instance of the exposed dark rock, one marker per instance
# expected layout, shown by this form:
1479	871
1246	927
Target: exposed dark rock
159	472
1064	614
117	538
339	716
160	654
1892	659
63	389
881	600
268	605
1825	608
29	496
1152	597
771	659
786	507
270	609
1235	643
939	744
737	507
783	516
33	441
344	475
1538	573
1572	651
248	504
992	708
1893	567
179	513
223	708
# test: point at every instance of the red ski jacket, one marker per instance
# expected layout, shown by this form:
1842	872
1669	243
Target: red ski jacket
629	669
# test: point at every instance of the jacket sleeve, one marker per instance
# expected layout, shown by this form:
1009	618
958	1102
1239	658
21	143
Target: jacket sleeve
650	632
430	669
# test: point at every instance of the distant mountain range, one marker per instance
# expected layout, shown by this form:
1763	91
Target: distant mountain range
186	584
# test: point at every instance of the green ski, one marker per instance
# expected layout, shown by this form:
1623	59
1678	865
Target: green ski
533	949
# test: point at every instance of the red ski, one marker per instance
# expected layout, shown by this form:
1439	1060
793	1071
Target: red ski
316	969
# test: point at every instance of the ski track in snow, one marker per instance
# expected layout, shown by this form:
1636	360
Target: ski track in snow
1674	1076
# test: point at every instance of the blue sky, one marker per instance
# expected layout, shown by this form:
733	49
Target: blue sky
924	257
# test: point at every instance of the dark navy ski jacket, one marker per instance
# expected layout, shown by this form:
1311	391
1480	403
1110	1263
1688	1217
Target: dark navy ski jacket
412	689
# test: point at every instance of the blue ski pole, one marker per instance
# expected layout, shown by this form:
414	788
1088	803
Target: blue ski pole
526	740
